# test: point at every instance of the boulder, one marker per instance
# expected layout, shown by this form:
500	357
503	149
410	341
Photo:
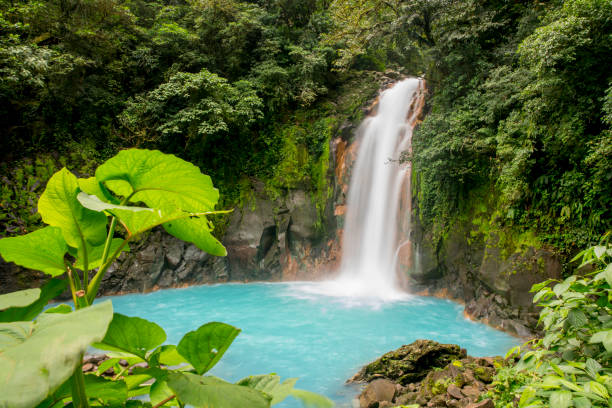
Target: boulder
482	404
376	392
411	363
441	375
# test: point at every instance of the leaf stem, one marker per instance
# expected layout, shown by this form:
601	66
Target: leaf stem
164	401
73	289
109	239
111	231
78	294
79	397
95	281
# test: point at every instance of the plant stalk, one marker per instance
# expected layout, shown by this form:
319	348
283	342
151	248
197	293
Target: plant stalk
164	401
94	284
79	397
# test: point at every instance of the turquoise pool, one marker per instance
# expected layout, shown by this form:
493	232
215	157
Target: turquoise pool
289	330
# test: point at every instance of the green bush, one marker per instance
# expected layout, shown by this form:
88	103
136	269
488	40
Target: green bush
571	365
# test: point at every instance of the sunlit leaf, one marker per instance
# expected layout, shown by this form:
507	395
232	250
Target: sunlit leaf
59	207
204	347
132	335
48	355
19	299
169	184
42	250
560	399
211	392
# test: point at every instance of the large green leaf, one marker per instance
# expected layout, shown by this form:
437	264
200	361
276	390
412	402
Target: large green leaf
132	335
14	333
198	232
40	362
168	184
204	347
48	291
59	207
105	391
43	250
155	177
271	385
211	392
19	299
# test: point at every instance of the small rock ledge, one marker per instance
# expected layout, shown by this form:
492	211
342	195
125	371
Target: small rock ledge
427	374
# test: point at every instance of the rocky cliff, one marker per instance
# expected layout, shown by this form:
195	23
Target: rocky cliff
491	276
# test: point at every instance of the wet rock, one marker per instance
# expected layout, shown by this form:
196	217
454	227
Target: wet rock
411	363
483	404
454	392
460	381
471	391
377	391
437	401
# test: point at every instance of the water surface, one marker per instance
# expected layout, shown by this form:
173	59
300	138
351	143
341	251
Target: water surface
290	330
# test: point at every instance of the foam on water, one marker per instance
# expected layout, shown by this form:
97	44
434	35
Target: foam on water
293	330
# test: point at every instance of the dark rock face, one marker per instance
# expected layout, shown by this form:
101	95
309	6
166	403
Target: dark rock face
428	374
493	285
162	261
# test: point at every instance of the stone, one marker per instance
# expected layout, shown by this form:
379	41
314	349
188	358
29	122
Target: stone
377	391
174	252
482	404
406	399
471	392
454	392
437	401
411	363
453	404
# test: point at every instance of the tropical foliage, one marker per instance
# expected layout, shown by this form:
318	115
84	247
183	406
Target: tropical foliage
90	221
571	365
519	106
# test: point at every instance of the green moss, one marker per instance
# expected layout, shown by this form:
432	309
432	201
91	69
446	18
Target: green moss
439	387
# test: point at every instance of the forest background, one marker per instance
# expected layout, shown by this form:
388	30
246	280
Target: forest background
518	117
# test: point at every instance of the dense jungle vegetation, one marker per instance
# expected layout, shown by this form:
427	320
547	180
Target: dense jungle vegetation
519	114
518	130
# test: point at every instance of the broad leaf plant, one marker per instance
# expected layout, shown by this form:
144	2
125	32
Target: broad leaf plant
91	221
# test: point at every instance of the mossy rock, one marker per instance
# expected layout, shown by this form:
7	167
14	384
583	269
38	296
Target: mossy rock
411	363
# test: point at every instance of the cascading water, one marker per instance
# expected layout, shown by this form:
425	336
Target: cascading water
379	186
377	182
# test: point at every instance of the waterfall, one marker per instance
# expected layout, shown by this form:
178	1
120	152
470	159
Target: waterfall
377	224
370	240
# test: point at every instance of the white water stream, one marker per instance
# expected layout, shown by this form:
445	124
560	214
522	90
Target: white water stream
370	240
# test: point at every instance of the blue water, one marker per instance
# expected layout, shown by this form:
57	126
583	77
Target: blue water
320	339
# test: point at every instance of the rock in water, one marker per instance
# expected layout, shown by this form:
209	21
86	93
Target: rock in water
410	363
427	374
376	392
